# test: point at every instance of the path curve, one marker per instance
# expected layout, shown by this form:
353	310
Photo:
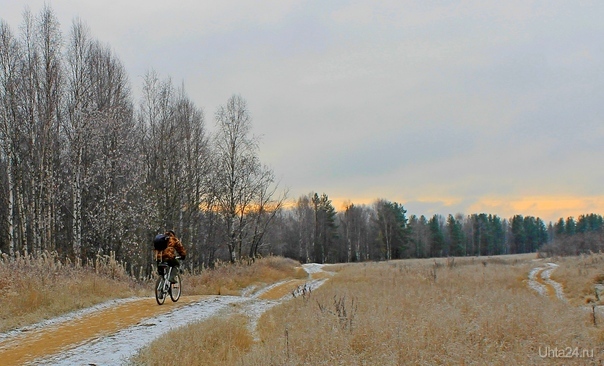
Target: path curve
540	280
112	332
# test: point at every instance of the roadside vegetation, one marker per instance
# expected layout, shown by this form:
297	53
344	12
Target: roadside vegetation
579	276
230	278
445	311
35	288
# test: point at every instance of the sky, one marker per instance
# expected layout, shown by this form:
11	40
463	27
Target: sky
443	106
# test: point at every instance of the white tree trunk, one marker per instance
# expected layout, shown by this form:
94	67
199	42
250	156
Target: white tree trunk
77	209
11	205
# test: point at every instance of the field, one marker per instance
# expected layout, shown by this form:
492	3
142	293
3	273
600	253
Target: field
504	310
463	311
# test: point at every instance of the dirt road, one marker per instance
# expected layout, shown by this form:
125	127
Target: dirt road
112	332
540	281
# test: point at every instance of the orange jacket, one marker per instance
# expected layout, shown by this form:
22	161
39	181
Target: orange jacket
174	247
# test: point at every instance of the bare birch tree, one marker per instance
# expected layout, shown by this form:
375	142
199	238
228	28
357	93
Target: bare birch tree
190	139
114	202
40	99
86	175
154	115
9	74
236	162
177	161
267	204
76	123
354	223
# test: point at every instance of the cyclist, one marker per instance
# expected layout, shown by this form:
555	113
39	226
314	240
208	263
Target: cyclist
172	248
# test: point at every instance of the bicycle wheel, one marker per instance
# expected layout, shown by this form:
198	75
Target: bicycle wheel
175	289
160	296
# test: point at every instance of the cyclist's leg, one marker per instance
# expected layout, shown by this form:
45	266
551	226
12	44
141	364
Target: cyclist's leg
175	264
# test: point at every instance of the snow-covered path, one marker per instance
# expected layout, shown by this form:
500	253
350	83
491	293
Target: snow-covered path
540	279
118	346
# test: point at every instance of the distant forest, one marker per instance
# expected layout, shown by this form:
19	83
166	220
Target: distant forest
313	231
89	171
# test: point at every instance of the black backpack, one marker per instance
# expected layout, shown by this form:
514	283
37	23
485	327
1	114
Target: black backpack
160	242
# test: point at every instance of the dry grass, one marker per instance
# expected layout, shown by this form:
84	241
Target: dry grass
578	275
423	312
218	341
470	311
230	279
34	288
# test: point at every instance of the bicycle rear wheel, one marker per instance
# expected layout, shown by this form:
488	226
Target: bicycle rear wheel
160	296
175	288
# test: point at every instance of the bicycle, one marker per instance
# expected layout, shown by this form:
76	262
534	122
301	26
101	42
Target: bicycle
163	286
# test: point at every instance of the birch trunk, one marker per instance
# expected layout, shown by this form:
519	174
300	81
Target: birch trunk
77	208
11	204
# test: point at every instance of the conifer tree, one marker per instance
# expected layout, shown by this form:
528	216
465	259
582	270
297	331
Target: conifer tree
456	236
325	227
437	239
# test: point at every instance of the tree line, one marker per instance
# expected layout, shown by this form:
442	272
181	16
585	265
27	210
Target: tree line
313	231
89	170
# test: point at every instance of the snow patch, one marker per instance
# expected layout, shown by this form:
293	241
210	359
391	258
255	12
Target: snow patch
546	277
557	286
268	288
313	267
118	347
541	289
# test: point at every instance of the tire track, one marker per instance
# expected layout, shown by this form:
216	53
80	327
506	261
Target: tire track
109	334
116	348
540	280
25	346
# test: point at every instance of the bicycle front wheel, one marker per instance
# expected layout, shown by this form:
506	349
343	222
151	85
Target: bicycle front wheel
175	288
160	296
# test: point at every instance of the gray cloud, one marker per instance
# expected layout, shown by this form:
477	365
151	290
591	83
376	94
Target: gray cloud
409	100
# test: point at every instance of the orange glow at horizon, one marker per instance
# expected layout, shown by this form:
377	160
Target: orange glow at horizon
338	203
547	207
